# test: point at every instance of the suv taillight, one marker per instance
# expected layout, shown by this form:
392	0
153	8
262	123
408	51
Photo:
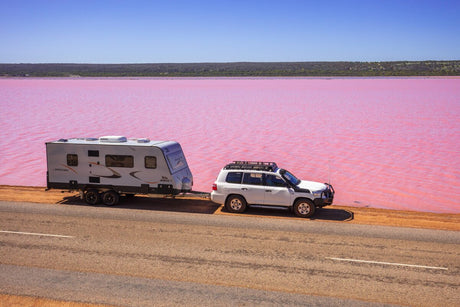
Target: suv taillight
214	187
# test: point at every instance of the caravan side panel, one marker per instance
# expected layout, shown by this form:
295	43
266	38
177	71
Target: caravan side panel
64	166
129	169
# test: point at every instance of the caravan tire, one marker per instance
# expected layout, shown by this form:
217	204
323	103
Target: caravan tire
92	197
110	198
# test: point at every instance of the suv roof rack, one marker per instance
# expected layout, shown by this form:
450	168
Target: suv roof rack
253	165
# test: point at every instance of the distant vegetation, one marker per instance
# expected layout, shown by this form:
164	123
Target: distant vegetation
242	69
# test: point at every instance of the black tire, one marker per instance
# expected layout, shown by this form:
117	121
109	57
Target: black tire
304	207
92	197
110	198
236	204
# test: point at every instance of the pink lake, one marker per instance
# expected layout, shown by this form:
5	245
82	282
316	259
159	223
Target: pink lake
382	142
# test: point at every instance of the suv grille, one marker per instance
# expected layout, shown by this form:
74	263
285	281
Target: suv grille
329	192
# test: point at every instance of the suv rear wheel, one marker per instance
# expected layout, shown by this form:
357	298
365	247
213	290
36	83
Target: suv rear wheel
304	208
236	204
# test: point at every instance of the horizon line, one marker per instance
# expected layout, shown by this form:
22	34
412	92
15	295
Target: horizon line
230	62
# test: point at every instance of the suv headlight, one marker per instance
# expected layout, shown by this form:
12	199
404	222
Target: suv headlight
317	194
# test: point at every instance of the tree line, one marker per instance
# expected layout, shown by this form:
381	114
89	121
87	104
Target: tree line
237	69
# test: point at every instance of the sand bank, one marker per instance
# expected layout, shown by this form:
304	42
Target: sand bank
335	213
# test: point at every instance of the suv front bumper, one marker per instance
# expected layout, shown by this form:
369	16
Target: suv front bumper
327	197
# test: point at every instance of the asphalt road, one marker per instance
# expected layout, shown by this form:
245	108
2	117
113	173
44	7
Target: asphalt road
143	257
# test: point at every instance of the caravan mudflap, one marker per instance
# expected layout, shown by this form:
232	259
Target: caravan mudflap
145	188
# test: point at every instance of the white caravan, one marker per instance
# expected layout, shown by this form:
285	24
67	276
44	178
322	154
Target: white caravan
103	168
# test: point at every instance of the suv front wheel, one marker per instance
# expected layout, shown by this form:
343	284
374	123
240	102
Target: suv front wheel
235	204
304	208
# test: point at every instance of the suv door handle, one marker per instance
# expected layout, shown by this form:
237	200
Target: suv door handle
244	189
268	190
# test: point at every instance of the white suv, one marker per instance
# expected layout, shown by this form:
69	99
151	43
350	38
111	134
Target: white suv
244	183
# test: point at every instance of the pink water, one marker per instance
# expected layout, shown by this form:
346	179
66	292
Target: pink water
383	143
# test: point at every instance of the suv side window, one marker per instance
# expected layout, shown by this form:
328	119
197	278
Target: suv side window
274	181
253	178
234	177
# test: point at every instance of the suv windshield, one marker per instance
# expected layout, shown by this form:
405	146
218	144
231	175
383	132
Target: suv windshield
289	177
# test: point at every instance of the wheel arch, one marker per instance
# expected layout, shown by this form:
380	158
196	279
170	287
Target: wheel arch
99	188
299	198
235	194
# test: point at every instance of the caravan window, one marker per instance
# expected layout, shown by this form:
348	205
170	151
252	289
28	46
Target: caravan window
150	162
119	161
93	153
72	160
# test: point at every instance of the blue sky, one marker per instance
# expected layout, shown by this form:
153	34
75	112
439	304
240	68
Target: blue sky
169	31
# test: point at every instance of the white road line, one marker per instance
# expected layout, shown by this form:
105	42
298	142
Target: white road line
35	234
389	263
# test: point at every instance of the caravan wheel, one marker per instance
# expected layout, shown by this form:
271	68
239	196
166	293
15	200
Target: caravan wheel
110	198
92	197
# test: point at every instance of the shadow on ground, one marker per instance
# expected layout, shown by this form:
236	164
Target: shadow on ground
321	214
205	206
202	206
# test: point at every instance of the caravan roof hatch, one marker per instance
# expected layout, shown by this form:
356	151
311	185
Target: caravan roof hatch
113	139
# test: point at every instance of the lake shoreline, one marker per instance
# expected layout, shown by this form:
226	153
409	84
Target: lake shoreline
237	69
356	215
77	77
